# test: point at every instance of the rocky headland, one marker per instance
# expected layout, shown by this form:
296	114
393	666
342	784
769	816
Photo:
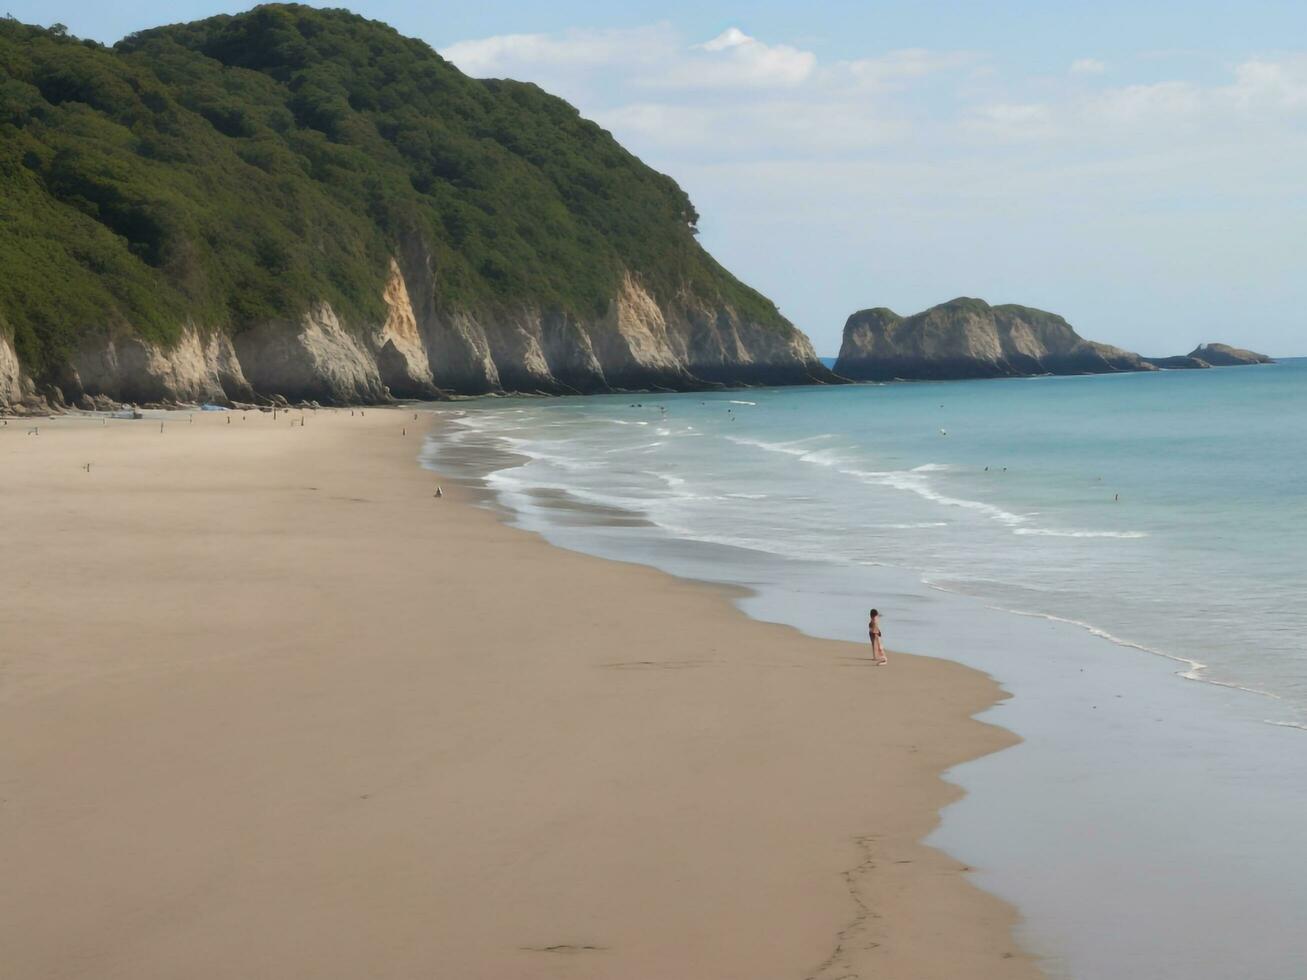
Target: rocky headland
298	204
1223	355
968	338
1210	355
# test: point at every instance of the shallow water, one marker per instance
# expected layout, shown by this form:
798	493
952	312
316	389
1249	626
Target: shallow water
1148	528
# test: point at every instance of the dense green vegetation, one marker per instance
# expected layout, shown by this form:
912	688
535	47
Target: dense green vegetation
239	168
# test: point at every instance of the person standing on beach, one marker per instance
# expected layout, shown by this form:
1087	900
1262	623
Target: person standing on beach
873	632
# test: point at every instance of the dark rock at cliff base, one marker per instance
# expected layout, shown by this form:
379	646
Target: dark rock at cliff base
1223	355
968	338
1182	362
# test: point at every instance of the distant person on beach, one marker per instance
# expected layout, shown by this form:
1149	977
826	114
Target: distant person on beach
873	632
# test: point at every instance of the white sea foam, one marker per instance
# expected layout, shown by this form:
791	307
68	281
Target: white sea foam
1286	724
1193	667
505	483
916	482
938	516
1195	670
631	449
912	526
480	422
532	450
793	448
668	478
799	449
1048	532
824	457
734	402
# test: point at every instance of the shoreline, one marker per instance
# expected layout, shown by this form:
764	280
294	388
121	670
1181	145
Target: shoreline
1110	819
364	733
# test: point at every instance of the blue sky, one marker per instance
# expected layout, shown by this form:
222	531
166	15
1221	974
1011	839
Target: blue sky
1137	167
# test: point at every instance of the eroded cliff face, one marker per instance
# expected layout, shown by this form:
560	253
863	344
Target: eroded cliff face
637	344
420	351
314	359
402	362
15	387
202	366
968	338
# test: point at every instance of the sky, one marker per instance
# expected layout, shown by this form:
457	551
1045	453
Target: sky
1139	167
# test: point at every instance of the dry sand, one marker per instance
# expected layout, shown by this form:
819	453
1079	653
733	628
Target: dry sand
269	709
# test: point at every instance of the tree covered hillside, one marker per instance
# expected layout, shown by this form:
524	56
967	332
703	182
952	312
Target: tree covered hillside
237	169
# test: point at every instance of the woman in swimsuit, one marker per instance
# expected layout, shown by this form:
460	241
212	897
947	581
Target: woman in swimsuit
873	631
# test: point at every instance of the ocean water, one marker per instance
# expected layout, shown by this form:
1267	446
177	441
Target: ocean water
1124	553
1167	511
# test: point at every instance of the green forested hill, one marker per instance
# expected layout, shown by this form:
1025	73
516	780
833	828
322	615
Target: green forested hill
238	168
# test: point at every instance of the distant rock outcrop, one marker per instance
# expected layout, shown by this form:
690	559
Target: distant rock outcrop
968	338
1223	355
1210	355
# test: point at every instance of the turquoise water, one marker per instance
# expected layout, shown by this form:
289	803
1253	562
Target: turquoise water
1164	511
1124	554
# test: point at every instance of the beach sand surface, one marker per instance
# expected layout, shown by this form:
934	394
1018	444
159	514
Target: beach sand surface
271	709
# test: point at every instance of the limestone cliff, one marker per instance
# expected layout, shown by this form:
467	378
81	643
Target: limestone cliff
420	351
968	338
202	366
15	388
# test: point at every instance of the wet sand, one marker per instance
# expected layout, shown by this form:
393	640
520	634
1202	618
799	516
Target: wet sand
269	708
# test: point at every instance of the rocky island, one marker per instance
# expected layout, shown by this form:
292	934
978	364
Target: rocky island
968	338
303	204
1211	355
1223	355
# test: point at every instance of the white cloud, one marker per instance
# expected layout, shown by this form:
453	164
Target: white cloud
779	127
735	98
647	56
1017	185
1261	83
653	57
1012	121
578	50
733	58
732	37
899	69
1087	66
1260	98
1158	103
1013	113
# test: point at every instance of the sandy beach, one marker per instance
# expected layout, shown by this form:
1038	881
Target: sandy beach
269	708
